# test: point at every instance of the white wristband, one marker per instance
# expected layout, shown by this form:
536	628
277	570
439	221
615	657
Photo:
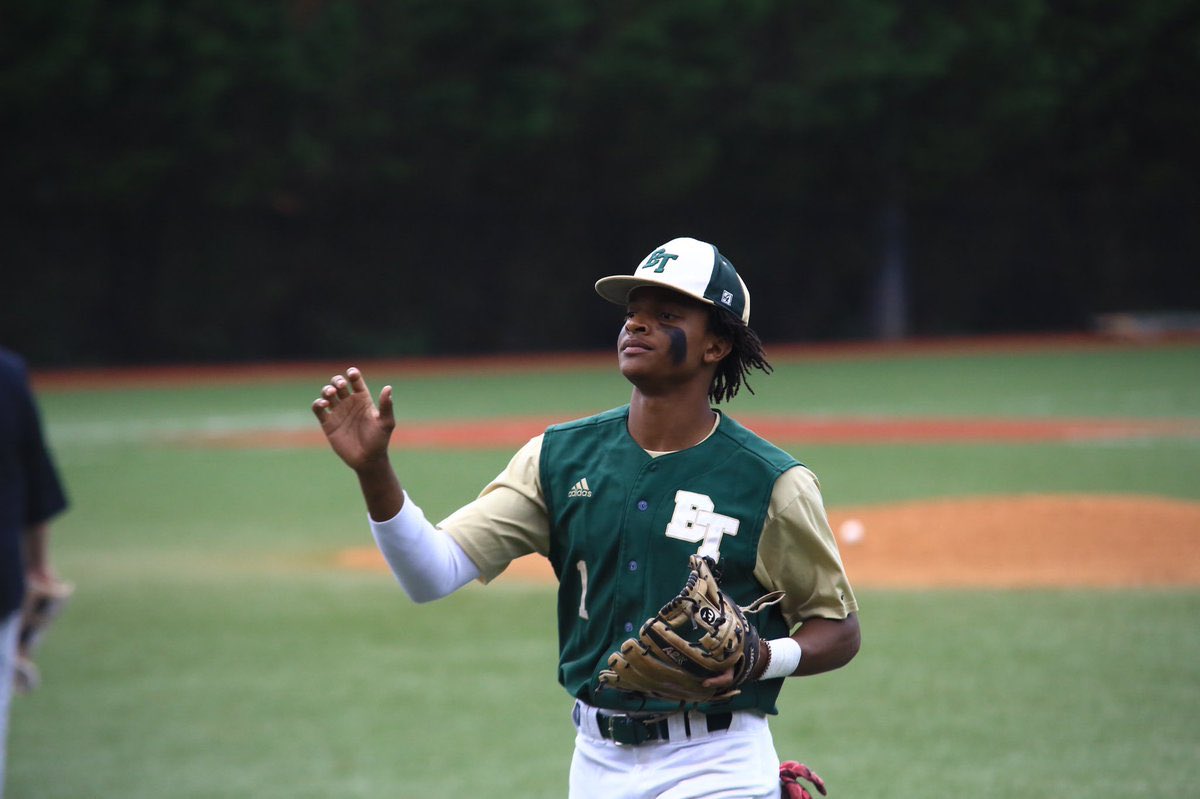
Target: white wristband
785	657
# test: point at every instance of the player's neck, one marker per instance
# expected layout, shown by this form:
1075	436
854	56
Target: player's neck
666	423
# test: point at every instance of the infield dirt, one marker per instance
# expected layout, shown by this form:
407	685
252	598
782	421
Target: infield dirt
1074	540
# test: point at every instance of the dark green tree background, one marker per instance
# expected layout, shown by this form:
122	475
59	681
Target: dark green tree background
228	180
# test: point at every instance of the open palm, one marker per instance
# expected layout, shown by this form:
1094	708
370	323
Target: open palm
356	429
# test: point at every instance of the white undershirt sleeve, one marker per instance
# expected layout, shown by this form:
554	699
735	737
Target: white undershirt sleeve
426	562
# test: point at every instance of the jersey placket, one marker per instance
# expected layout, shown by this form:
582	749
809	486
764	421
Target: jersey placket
637	530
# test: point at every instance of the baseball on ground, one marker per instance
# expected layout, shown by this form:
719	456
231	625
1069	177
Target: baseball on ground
851	531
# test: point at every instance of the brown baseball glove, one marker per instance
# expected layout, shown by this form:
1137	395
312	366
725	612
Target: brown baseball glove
699	634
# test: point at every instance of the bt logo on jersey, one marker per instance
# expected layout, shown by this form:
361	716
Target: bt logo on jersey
695	521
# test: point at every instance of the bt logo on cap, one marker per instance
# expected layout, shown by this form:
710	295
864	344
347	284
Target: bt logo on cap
659	258
689	266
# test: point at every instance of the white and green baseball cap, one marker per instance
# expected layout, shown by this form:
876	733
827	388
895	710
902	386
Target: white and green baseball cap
689	266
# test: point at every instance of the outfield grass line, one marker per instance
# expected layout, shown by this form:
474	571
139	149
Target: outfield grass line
131	429
297	429
499	432
175	375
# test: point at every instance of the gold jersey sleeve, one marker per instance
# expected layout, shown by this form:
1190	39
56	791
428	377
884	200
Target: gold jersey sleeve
508	519
797	553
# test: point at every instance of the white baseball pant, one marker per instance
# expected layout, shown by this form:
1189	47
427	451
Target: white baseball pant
736	763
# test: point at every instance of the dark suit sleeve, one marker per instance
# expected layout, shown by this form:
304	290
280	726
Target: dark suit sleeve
39	490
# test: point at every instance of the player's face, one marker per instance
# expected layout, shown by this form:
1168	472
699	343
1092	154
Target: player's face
666	334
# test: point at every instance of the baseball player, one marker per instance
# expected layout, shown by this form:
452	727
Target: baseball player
619	503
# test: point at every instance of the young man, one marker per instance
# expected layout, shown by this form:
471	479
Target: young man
619	502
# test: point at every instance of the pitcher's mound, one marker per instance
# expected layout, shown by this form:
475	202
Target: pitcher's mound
1057	540
1016	541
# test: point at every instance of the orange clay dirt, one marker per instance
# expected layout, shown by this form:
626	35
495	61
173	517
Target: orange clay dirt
1032	541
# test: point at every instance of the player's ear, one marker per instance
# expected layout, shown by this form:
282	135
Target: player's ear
717	343
716	348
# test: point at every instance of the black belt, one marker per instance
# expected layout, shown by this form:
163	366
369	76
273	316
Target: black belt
633	730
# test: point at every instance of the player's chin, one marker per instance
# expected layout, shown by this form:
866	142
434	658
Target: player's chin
636	365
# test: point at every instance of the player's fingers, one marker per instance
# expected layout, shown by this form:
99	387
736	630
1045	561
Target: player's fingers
358	383
327	400
342	385
386	411
320	408
722	680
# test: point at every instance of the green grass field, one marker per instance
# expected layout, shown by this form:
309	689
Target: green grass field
214	649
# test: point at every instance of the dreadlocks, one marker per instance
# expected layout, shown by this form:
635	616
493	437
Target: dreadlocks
746	354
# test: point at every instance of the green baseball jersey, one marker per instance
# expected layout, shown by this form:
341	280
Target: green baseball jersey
618	525
620	547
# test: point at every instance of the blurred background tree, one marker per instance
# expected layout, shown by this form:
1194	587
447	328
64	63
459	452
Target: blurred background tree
226	180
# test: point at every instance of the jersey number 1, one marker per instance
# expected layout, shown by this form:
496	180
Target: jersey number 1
582	567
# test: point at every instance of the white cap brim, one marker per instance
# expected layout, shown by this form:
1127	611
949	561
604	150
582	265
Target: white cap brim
617	288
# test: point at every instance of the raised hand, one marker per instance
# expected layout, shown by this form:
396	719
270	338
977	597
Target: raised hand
356	429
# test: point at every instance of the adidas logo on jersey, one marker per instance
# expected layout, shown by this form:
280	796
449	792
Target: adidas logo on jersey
580	489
